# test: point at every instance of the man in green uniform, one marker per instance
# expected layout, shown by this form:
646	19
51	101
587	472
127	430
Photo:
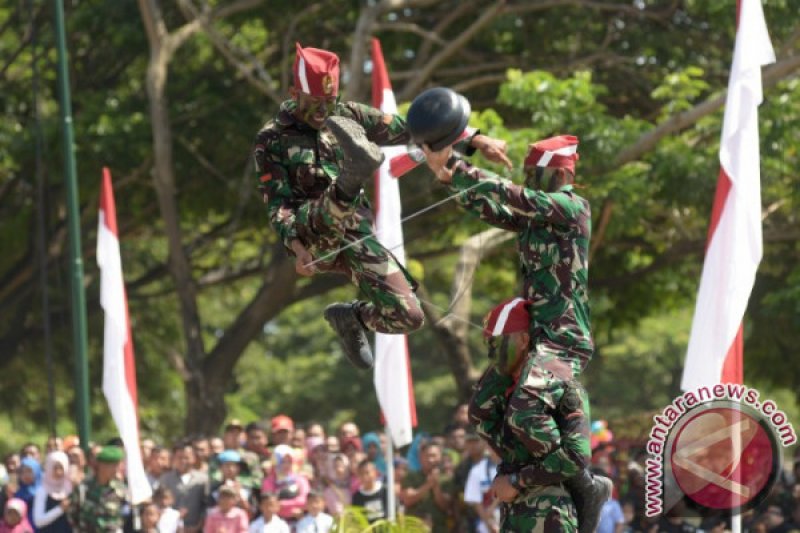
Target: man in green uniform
428	493
547	412
97	503
313	159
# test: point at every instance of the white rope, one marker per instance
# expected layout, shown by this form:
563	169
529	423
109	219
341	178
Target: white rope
422	211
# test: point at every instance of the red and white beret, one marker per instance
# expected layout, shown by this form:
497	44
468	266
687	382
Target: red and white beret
509	317
316	71
555	152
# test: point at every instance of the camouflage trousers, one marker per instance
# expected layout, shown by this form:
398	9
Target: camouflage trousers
543	419
540	510
326	226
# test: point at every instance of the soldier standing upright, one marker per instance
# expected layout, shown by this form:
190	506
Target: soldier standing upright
313	159
96	506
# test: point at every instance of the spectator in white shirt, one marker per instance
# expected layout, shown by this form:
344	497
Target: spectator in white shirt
315	521
477	493
269	521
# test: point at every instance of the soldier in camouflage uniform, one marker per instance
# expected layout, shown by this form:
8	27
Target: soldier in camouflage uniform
313	159
96	505
547	412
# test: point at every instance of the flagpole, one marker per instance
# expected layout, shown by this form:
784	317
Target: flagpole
390	495
79	335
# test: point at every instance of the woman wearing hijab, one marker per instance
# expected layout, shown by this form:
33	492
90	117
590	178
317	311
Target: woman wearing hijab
15	517
29	478
338	491
291	487
52	496
371	442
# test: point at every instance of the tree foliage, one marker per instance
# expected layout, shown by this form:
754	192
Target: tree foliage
216	309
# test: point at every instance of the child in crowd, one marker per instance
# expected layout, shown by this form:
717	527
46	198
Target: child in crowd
150	514
15	517
170	520
372	492
226	517
315	521
269	521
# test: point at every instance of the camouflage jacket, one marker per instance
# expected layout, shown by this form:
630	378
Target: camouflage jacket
296	163
97	508
553	231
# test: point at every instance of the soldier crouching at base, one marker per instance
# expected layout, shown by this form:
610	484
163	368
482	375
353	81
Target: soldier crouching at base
538	425
96	506
313	159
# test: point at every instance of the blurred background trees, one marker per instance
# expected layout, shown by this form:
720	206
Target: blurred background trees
169	95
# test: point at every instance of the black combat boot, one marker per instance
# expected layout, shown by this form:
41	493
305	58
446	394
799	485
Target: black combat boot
361	156
343	318
589	492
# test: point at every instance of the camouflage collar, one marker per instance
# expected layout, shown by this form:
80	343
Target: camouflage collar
566	188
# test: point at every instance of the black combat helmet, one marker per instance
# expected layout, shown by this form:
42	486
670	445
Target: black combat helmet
437	117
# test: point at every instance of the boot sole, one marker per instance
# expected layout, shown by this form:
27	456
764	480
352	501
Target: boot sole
358	359
363	151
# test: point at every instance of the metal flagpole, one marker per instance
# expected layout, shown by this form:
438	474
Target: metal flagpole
79	334
390	495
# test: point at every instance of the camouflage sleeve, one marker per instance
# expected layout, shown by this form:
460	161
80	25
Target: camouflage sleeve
275	187
488	405
383	129
486	207
502	196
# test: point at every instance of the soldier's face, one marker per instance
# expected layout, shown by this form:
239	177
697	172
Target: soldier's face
313	110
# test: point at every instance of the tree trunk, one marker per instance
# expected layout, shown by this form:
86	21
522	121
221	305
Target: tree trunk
451	329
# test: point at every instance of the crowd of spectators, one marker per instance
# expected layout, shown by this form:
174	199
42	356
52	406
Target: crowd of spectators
280	476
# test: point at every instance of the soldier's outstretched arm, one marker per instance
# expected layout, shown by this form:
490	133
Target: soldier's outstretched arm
502	197
557	208
482	206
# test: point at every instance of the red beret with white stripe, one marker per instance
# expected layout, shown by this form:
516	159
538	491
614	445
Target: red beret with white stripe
316	72
509	317
555	152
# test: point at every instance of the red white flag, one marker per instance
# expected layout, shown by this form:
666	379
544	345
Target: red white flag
734	246
392	367
119	373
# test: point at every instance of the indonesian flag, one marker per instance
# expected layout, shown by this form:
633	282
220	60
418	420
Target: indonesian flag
734	245
392	367
119	373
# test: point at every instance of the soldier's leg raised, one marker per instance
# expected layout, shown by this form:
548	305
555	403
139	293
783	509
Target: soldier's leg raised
329	217
390	305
